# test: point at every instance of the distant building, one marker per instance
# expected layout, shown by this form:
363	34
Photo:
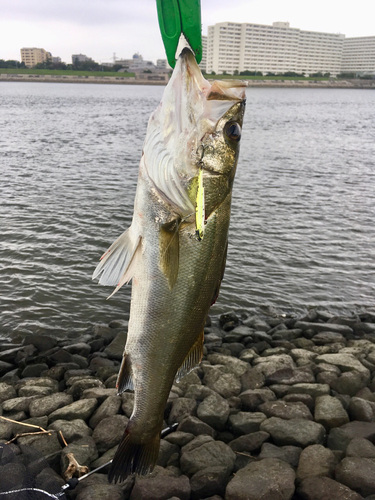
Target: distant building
272	49
56	60
358	55
80	58
162	64
203	63
32	56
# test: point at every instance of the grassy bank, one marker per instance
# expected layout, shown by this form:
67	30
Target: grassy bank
57	72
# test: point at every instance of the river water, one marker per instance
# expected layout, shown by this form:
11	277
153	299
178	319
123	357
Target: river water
303	221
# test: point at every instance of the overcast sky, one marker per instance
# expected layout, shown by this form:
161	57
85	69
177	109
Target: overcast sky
99	28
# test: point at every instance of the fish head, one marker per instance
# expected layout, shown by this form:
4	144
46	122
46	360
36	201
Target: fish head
196	126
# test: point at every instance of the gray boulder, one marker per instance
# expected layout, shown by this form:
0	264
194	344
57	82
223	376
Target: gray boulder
360	409
340	437
214	411
285	410
325	488
181	408
109	432
330	412
109	407
208	482
210	454
296	432
253	398
315	460
7	392
81	409
289	454
246	422
71	430
268	479
48	404
160	487
358	474
249	442
360	447
195	426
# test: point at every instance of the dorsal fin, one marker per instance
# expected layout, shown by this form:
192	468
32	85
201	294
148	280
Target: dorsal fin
192	359
169	245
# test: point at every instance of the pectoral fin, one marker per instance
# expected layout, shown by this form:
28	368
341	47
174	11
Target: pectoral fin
116	266
169	243
193	358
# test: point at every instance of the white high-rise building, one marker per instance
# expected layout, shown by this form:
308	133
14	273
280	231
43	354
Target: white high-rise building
272	49
203	63
359	55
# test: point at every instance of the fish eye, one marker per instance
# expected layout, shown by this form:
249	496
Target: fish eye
233	131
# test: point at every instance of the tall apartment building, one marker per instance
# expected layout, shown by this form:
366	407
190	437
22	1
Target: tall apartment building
359	55
203	63
272	49
32	56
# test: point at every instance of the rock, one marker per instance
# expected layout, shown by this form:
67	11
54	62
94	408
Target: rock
296	432
324	327
349	383
80	348
252	379
84	451
232	365
127	403
46	444
40	422
79	386
346	362
360	447
225	384
109	407
324	488
285	410
39	381
181	408
6	430
314	390
199	392
303	398
41	342
81	409
195	426
210	454
290	376
291	334
267	479
330	412
34	370
18	404
245	422
12	477
358	474
253	398
249	442
71	430
179	438
99	393
30	390
289	454
160	488
315	460
168	453
214	411
116	348
271	364
340	437
7	392
109	432
360	409
48	404
208	482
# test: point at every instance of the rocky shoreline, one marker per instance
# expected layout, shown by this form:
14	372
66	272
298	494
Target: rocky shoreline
280	408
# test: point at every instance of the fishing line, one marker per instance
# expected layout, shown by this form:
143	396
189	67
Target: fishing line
74	481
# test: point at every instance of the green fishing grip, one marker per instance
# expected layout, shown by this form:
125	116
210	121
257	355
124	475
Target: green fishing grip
176	17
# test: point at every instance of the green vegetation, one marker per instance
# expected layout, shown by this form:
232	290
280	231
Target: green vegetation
32	71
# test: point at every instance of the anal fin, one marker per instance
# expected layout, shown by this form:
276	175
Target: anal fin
169	244
125	375
192	359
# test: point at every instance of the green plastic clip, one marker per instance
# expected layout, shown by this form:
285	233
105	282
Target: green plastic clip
178	17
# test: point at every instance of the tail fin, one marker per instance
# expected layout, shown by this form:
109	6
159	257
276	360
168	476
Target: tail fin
130	458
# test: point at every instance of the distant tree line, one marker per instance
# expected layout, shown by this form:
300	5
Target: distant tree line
10	63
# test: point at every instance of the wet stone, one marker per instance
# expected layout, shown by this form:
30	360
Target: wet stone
208	482
249	442
81	409
48	404
289	454
181	408
340	437
71	429
210	454
261	480
252	399
330	412
214	411
325	488
109	432
109	407
296	432
6	392
285	410
358	474
315	460
246	422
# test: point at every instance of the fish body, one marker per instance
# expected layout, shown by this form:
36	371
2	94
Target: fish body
176	263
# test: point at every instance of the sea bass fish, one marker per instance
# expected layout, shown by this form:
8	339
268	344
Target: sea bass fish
175	249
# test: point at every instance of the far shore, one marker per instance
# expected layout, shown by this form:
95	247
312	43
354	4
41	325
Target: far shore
150	79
